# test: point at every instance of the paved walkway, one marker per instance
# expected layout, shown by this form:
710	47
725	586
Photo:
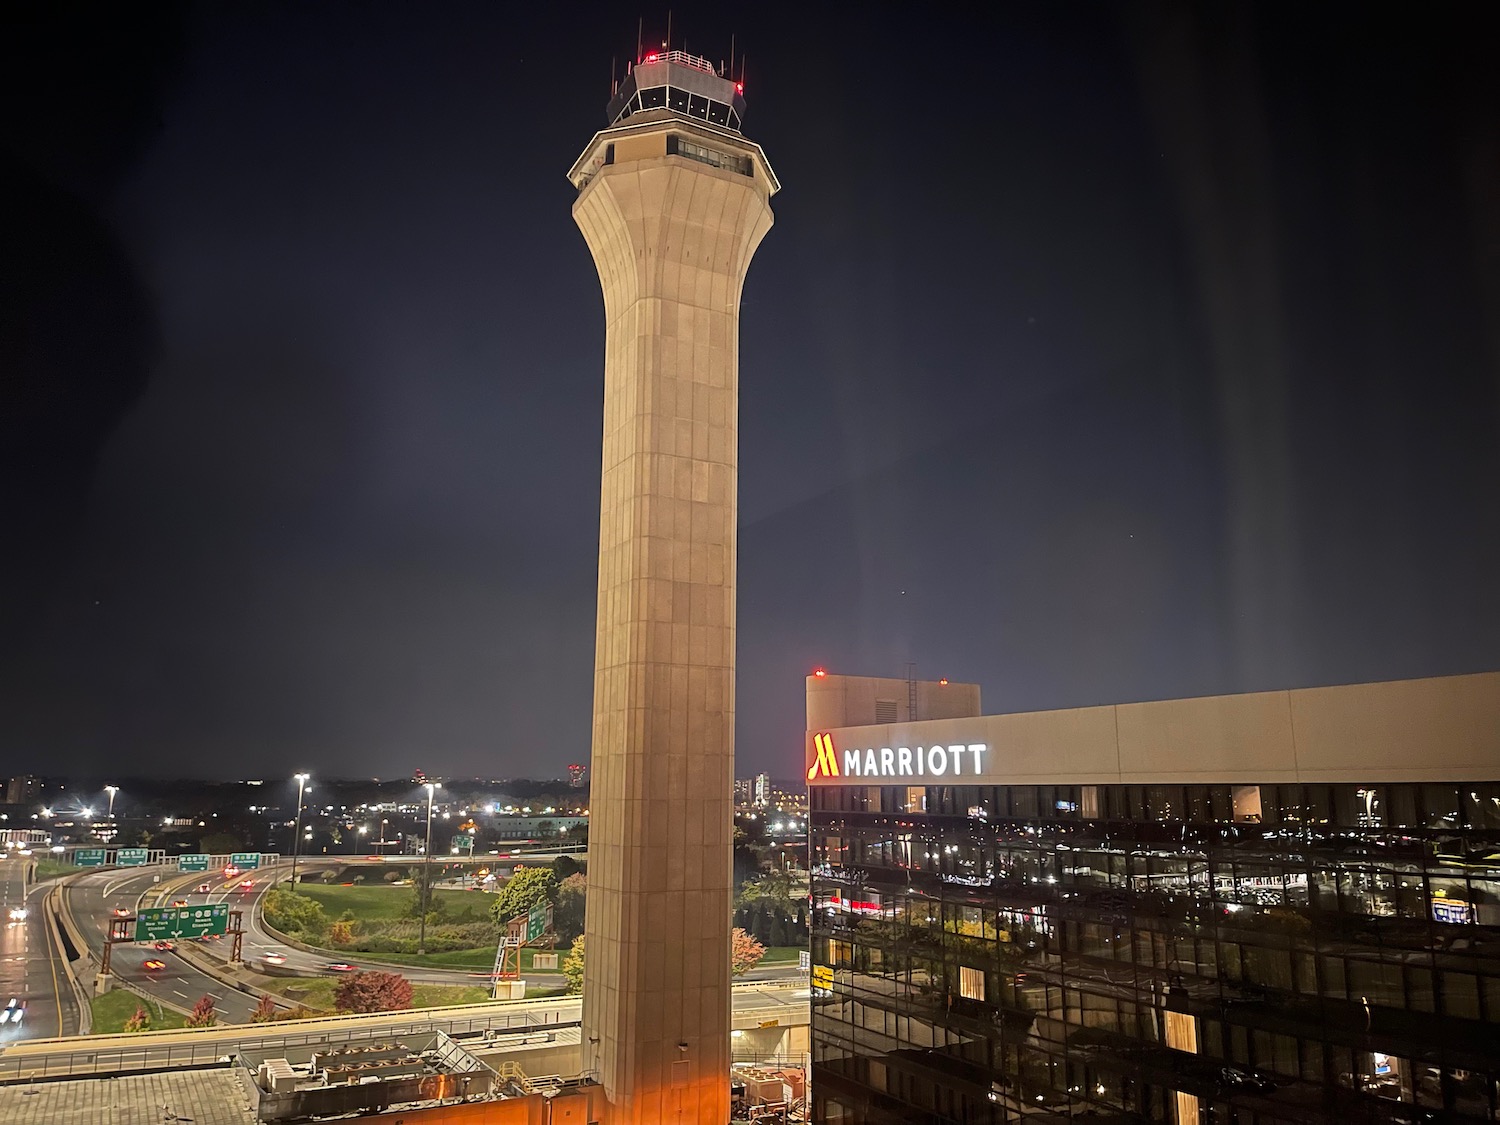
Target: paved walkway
199	1097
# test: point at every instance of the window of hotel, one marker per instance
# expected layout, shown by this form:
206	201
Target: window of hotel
971	983
1247	808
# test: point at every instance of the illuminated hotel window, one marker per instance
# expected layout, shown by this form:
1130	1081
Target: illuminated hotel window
970	983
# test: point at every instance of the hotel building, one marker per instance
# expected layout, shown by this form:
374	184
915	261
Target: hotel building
1265	908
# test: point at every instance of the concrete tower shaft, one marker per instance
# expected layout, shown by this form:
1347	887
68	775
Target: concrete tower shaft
672	210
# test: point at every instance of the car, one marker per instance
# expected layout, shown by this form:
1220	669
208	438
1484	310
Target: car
341	967
122	912
274	958
248	885
165	946
179	902
14	1011
18	914
231	871
204	888
153	965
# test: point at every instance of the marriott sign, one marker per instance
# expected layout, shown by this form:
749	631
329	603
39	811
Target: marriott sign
832	764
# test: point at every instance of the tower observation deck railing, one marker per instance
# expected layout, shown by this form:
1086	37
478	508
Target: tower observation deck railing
681	58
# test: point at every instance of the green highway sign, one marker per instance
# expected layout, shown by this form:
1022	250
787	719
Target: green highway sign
192	863
89	857
245	860
182	922
464	842
131	857
536	921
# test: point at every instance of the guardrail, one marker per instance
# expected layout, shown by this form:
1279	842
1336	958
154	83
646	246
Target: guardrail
167	1050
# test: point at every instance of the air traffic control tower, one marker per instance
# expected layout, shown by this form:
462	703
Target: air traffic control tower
673	202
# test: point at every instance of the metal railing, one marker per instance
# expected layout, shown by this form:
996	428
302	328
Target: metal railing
113	1054
681	58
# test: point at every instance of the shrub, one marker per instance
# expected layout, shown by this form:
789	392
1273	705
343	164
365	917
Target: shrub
265	1011
203	1013
572	967
373	992
287	910
141	1021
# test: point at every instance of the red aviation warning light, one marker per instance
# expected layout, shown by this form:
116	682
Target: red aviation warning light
827	765
820	672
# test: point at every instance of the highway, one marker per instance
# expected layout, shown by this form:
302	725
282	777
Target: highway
94	897
31	968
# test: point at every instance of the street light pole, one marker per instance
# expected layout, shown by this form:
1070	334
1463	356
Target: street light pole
426	870
297	829
111	790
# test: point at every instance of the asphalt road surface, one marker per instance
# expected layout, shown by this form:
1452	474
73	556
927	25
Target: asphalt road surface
31	969
94	898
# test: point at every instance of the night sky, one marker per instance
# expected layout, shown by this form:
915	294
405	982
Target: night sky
1098	353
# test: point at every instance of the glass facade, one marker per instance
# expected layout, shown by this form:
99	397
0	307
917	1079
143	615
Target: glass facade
1216	953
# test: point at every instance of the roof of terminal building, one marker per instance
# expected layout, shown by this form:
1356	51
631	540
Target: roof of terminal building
205	1097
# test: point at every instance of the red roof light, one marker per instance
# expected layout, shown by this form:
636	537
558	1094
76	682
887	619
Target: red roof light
819	672
739	87
650	58
943	682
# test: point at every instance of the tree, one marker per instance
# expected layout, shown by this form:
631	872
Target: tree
572	968
341	933
567	912
392	876
287	910
564	866
203	1013
523	890
372	992
220	843
744	951
141	1021
265	1011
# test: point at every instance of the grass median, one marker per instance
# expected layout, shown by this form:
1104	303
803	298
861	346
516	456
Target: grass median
118	1004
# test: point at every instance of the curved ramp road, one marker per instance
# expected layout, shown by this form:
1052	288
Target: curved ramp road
93	898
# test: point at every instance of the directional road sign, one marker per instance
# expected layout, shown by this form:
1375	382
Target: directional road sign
536	921
804	960
822	977
182	921
131	857
192	863
89	857
463	842
245	860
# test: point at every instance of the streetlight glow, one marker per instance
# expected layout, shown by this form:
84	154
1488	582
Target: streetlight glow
302	788
111	790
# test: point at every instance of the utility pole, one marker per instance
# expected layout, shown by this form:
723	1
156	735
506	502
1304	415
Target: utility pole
426	870
297	827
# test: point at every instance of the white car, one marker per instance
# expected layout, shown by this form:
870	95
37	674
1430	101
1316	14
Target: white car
18	913
13	1012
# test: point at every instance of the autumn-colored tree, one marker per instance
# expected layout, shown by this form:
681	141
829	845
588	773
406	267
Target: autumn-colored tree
572	968
299	1012
203	1013
372	992
265	1011
141	1021
744	951
340	933
567	914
